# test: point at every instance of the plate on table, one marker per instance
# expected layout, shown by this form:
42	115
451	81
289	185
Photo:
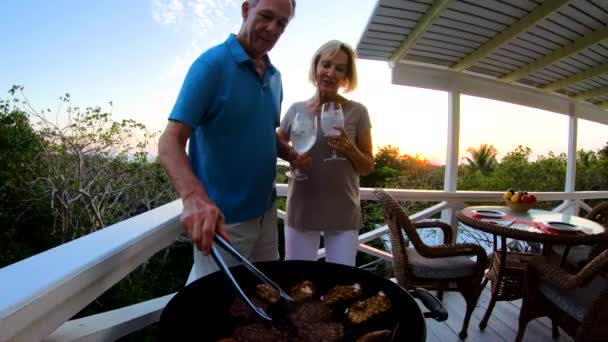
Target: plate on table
562	226
489	213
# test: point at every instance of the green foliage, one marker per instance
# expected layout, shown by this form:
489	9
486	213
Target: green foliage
393	170
592	170
604	151
546	173
386	167
95	170
24	217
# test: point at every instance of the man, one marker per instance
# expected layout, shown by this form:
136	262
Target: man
229	108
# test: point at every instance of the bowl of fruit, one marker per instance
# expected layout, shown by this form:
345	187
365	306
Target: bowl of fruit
519	201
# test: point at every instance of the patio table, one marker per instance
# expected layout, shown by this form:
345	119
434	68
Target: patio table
506	269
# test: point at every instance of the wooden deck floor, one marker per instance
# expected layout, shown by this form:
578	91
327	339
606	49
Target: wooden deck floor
502	325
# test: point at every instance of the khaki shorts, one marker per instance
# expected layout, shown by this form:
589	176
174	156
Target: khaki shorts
256	239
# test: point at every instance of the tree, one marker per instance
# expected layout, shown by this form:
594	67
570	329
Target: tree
24	218
96	170
591	170
387	166
394	170
482	159
59	181
604	151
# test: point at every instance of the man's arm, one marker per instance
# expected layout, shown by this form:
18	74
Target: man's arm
200	217
173	158
284	151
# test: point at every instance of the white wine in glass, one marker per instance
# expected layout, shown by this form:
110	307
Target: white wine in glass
332	116
303	135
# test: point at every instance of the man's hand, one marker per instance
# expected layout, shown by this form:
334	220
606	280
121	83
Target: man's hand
201	219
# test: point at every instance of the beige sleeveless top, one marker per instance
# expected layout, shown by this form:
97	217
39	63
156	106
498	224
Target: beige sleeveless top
329	198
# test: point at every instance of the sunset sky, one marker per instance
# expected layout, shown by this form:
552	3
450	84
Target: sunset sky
136	53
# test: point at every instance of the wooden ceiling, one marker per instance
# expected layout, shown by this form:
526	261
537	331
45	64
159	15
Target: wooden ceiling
554	46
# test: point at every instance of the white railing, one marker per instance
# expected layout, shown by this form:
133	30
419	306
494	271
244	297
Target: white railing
40	294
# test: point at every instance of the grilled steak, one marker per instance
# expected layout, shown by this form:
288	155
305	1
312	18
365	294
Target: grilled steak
309	312
240	310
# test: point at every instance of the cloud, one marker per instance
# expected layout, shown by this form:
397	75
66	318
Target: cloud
207	13
178	68
205	22
167	12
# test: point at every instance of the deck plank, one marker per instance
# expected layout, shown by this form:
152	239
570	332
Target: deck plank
502	325
456	309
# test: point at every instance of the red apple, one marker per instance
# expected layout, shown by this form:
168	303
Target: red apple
525	199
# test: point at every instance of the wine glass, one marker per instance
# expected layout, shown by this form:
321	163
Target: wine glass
303	135
332	116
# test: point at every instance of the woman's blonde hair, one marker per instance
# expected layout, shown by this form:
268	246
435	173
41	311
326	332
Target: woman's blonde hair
333	47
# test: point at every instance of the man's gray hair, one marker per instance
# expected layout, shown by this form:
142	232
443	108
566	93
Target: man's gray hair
252	3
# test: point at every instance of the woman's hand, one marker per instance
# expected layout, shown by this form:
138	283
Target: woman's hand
303	162
342	142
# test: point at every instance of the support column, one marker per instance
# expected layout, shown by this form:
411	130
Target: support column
570	185
452	156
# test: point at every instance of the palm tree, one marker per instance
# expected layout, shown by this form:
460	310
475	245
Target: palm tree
482	159
604	151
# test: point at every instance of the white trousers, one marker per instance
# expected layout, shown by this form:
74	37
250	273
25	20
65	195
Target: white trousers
256	239
340	246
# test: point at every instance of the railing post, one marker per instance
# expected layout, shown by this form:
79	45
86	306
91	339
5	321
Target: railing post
452	156
570	185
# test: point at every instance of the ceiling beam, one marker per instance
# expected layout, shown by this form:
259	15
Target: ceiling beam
421	27
581	76
540	12
561	53
602	91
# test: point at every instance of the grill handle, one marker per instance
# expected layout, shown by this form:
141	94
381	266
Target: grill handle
436	311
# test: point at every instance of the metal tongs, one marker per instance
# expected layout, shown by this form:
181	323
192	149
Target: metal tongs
284	299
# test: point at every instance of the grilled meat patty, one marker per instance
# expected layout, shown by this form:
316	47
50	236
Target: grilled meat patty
376	336
303	291
363	310
258	332
267	293
342	293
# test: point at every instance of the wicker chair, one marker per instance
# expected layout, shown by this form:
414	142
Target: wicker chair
578	303
446	267
578	256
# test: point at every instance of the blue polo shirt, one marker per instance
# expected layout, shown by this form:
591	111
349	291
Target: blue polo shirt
234	114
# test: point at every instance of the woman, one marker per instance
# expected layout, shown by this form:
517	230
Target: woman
328	201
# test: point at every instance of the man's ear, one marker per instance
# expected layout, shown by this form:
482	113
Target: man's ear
245	10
